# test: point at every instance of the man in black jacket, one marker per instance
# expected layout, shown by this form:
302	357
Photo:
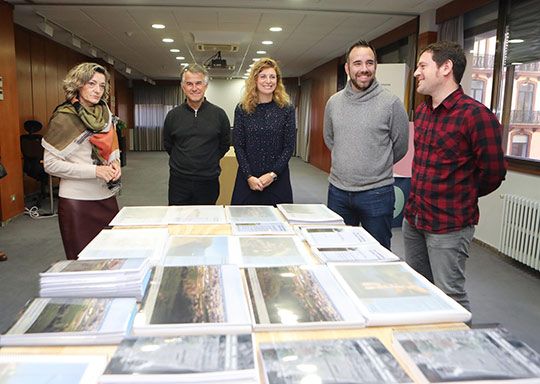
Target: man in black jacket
196	136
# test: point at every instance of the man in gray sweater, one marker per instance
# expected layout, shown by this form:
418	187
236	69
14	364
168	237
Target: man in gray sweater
367	129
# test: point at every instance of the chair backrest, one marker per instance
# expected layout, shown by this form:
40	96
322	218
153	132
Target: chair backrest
32	126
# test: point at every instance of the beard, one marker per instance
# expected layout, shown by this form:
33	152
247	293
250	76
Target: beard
361	88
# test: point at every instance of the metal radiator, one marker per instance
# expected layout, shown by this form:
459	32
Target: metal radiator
520	230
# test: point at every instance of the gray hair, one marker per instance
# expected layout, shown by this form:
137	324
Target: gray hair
195	68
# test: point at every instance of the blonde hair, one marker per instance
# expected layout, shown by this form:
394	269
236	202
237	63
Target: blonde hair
80	75
250	99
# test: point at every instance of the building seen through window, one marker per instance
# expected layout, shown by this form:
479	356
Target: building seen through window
524	127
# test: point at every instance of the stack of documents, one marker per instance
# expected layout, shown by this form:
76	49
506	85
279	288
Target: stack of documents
133	243
103	278
193	299
361	361
40	369
184	359
309	214
341	243
71	321
466	356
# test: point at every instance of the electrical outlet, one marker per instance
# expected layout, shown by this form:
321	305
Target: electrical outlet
13	198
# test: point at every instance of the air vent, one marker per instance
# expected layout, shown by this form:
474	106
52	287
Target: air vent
207	47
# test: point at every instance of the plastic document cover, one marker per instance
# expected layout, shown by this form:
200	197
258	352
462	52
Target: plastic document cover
193	299
359	361
487	355
395	294
297	298
189	358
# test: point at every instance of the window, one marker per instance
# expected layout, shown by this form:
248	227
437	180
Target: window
520	144
477	90
523	112
478	77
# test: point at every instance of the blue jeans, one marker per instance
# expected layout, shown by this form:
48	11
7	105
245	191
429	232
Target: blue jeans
440	258
374	209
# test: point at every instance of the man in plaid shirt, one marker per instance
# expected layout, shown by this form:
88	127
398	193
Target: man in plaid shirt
458	158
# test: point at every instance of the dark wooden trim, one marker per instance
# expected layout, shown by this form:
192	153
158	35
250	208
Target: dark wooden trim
518	164
404	30
456	8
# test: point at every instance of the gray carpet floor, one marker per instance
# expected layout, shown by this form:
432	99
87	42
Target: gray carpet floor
501	290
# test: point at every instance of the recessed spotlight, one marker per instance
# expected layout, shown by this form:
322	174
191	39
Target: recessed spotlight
175	50
261	52
180	58
276	29
158	26
516	41
167	40
268	42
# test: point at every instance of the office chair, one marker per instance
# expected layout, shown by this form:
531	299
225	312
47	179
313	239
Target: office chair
32	152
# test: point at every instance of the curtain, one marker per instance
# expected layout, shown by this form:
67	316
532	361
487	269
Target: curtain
292	91
304	121
452	30
523	24
152	103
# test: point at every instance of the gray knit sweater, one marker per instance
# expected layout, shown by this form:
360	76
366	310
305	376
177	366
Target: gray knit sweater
367	133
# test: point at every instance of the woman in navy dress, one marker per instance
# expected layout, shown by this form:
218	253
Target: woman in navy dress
264	136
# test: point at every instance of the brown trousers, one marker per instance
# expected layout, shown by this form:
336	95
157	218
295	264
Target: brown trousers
81	220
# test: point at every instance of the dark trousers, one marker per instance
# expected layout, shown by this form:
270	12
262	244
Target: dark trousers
186	191
81	220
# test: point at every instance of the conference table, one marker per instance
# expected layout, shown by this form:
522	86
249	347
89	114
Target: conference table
384	334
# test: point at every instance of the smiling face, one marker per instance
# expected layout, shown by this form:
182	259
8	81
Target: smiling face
428	75
194	88
361	68
91	92
266	83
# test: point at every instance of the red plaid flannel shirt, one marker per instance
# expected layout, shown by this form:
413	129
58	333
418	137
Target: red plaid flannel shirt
458	158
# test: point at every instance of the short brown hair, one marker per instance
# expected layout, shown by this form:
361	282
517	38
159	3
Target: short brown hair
442	51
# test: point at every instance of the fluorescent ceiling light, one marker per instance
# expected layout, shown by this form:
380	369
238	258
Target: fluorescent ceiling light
75	42
256	59
276	29
516	41
46	28
128	70
109	60
158	26
268	42
244	77
180	58
185	64
167	40
261	52
175	50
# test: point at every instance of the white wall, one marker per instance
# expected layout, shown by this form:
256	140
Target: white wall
491	206
226	94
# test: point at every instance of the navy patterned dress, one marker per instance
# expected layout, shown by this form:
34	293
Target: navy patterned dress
264	142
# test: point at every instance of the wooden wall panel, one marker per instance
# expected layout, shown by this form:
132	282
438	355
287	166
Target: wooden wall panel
51	78
39	94
24	76
42	64
11	187
324	85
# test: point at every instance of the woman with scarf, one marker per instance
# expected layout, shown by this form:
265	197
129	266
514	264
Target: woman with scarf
81	147
264	137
